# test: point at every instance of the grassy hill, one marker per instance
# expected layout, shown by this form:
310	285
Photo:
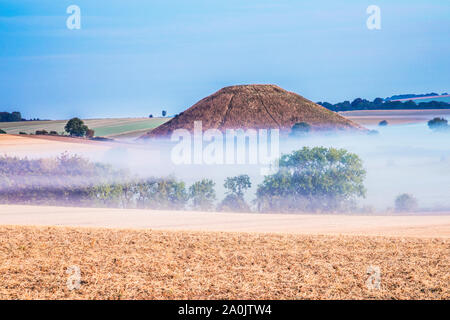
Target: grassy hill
258	106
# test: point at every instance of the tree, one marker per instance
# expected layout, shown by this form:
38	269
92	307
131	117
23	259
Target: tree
410	104
237	185
378	101
405	202
234	200
164	112
383	123
16	116
310	179
202	195
10	117
76	127
150	116
356	102
300	129
326	105
2	131
438	124
233	203
161	193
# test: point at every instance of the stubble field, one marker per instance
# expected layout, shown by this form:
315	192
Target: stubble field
146	264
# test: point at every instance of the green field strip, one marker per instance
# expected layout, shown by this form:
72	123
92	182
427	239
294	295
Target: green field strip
129	127
130	134
443	99
102	127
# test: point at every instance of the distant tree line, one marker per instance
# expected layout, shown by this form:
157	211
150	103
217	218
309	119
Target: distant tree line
409	96
381	104
75	127
70	180
310	179
74	181
10	117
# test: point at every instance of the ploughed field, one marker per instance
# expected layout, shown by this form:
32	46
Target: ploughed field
149	264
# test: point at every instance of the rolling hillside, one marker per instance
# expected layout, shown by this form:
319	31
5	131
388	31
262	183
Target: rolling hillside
111	128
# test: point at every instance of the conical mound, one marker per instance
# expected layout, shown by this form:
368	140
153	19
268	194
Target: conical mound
255	107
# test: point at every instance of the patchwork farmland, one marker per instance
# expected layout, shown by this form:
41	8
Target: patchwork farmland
112	128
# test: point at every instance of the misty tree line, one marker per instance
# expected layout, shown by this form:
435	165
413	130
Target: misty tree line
70	180
10	116
310	179
381	104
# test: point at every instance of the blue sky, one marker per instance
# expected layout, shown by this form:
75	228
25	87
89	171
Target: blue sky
134	58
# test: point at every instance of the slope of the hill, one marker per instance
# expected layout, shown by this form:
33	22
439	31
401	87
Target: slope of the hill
256	107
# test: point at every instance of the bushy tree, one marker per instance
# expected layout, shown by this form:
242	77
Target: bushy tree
233	203
378	101
164	113
356	102
10	117
310	179
383	123
234	199
325	105
342	106
363	104
438	124
161	193
405	202
238	185
300	129
76	127
202	194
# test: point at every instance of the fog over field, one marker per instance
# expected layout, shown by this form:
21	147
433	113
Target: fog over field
399	159
408	158
403	158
